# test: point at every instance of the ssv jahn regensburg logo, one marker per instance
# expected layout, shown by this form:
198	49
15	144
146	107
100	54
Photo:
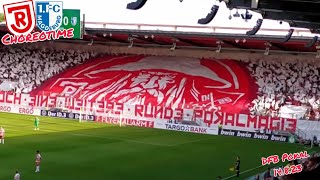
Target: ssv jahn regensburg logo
21	20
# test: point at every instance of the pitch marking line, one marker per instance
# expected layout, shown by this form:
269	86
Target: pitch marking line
119	139
94	136
126	140
110	138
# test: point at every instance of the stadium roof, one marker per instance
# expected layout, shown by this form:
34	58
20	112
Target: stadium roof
299	13
177	38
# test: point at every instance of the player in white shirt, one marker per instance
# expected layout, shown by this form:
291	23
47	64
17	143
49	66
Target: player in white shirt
38	161
2	133
17	176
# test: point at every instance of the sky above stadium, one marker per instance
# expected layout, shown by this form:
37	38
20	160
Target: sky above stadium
165	12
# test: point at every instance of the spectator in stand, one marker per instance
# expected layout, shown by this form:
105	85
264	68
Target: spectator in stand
280	83
257	177
267	175
315	140
294	82
30	67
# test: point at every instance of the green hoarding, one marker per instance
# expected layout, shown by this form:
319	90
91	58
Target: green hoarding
71	19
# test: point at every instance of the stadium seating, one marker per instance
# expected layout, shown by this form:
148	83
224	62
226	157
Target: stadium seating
23	69
263	88
286	84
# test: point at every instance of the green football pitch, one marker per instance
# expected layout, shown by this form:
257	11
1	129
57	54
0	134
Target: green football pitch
71	151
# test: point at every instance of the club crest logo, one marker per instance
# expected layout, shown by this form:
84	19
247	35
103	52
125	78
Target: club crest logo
43	113
292	139
74	21
71	116
49	15
20	17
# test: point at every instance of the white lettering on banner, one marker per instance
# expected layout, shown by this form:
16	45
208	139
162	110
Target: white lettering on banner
125	121
52	114
246	134
83	116
177	126
26	100
258	136
62	115
227	133
205	118
185	128
276	138
149	116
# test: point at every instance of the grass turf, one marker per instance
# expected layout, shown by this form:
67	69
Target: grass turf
72	150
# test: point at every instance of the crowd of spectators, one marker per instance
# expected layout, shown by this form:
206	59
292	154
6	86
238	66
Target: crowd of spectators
280	83
26	68
286	83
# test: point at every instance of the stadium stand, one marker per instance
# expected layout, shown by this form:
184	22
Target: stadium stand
23	69
286	84
282	87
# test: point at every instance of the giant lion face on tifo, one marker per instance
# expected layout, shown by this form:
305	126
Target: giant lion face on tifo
161	81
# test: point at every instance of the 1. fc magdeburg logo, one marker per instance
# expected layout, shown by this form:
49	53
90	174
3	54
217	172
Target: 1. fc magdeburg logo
49	15
74	21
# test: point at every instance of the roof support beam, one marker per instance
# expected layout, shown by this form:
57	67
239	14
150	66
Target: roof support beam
234	44
279	46
187	41
114	40
150	40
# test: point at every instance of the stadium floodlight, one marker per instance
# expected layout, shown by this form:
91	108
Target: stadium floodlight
312	42
136	5
256	28
288	36
246	16
209	16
